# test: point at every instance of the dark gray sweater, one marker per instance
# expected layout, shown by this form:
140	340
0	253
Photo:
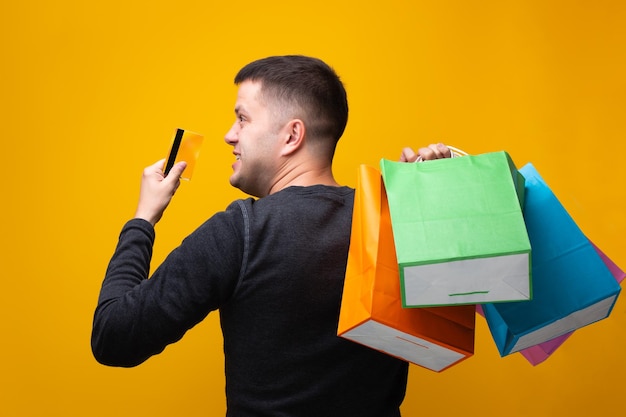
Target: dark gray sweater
274	268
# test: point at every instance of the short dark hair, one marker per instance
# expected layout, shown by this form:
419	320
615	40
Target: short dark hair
304	83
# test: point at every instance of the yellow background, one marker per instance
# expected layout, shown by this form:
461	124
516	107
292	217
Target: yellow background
92	91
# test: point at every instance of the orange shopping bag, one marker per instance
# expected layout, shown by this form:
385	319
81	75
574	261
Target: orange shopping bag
371	308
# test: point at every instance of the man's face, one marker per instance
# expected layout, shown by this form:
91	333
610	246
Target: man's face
255	140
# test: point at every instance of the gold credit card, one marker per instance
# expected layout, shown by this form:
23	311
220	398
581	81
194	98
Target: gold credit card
185	147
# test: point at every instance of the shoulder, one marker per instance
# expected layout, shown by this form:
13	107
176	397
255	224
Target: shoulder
297	208
297	195
240	215
227	225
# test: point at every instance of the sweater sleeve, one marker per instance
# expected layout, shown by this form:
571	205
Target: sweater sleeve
136	316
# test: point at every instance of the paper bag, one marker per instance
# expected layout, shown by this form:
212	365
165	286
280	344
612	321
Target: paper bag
371	310
458	229
539	353
572	286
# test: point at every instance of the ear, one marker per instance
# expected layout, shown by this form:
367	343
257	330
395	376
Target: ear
294	136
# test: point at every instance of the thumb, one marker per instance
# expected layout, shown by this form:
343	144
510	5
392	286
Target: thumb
177	170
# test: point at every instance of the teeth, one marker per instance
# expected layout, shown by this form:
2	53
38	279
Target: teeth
237	157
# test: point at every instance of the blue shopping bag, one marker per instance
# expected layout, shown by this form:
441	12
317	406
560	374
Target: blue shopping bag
572	286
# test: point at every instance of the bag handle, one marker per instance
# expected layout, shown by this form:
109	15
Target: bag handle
455	153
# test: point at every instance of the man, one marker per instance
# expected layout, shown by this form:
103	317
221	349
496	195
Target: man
272	266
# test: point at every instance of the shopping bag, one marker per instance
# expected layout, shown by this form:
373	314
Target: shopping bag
371	310
572	286
539	353
458	229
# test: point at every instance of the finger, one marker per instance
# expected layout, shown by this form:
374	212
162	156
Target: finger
435	151
444	150
158	165
408	155
154	169
428	153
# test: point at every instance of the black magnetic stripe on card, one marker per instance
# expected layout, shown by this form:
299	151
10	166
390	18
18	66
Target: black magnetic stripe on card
175	146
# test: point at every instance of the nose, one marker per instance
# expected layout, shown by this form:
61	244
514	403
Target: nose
231	135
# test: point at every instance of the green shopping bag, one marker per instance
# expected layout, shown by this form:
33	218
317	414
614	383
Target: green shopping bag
458	229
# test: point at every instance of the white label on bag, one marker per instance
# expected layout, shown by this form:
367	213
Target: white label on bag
468	281
403	345
574	321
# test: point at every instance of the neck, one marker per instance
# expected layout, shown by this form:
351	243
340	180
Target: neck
303	174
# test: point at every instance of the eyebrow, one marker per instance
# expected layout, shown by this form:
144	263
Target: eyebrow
241	110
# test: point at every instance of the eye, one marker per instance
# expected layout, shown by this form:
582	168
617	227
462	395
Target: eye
241	119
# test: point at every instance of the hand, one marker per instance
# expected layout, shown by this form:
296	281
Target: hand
433	151
157	190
